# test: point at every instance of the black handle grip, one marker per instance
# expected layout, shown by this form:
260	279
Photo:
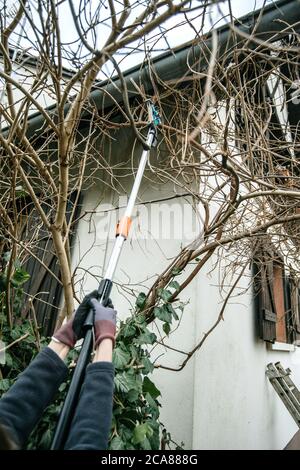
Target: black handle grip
104	291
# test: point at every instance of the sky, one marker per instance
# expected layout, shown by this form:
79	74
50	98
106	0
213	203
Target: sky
177	31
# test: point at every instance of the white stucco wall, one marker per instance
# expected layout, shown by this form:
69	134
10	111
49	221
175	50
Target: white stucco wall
235	406
222	398
140	262
25	75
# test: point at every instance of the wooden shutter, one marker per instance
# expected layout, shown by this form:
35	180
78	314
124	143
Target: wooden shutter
290	312
265	302
279	300
298	315
44	288
294	298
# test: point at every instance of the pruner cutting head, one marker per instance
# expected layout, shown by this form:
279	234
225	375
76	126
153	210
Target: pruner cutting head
153	114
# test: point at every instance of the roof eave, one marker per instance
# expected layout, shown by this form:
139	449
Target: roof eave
174	64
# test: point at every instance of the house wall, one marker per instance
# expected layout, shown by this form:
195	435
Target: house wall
235	406
25	75
141	261
222	398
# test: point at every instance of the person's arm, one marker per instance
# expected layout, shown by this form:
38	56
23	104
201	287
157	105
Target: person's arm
59	348
22	406
104	351
92	421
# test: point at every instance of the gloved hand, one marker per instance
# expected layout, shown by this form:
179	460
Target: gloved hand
73	330
105	321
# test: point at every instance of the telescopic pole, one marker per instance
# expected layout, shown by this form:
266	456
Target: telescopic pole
104	290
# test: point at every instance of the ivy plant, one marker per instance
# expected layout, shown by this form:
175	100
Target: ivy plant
136	412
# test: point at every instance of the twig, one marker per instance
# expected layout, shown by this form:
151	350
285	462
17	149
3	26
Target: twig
14	342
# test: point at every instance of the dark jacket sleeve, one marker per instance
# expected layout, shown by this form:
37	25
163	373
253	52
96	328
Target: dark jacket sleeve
92	421
23	405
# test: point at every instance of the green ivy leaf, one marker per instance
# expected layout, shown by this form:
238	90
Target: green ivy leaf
174	284
165	294
31	339
148	366
130	447
127	330
172	311
62	387
136	409
19	278
117	444
20	192
130	416
134	352
126	381
153	407
155	438
167	328
4	385
132	396
141	432
140	301
125	433
175	315
16	332
163	314
149	387
46	439
17	264
145	445
118	410
120	358
8	360
146	338
139	321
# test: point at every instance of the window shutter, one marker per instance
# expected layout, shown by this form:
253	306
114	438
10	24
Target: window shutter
295	308
265	304
42	287
279	297
298	316
289	309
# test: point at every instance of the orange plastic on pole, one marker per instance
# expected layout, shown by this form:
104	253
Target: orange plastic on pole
123	227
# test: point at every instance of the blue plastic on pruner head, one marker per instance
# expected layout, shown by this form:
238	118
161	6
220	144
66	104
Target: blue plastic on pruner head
154	116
